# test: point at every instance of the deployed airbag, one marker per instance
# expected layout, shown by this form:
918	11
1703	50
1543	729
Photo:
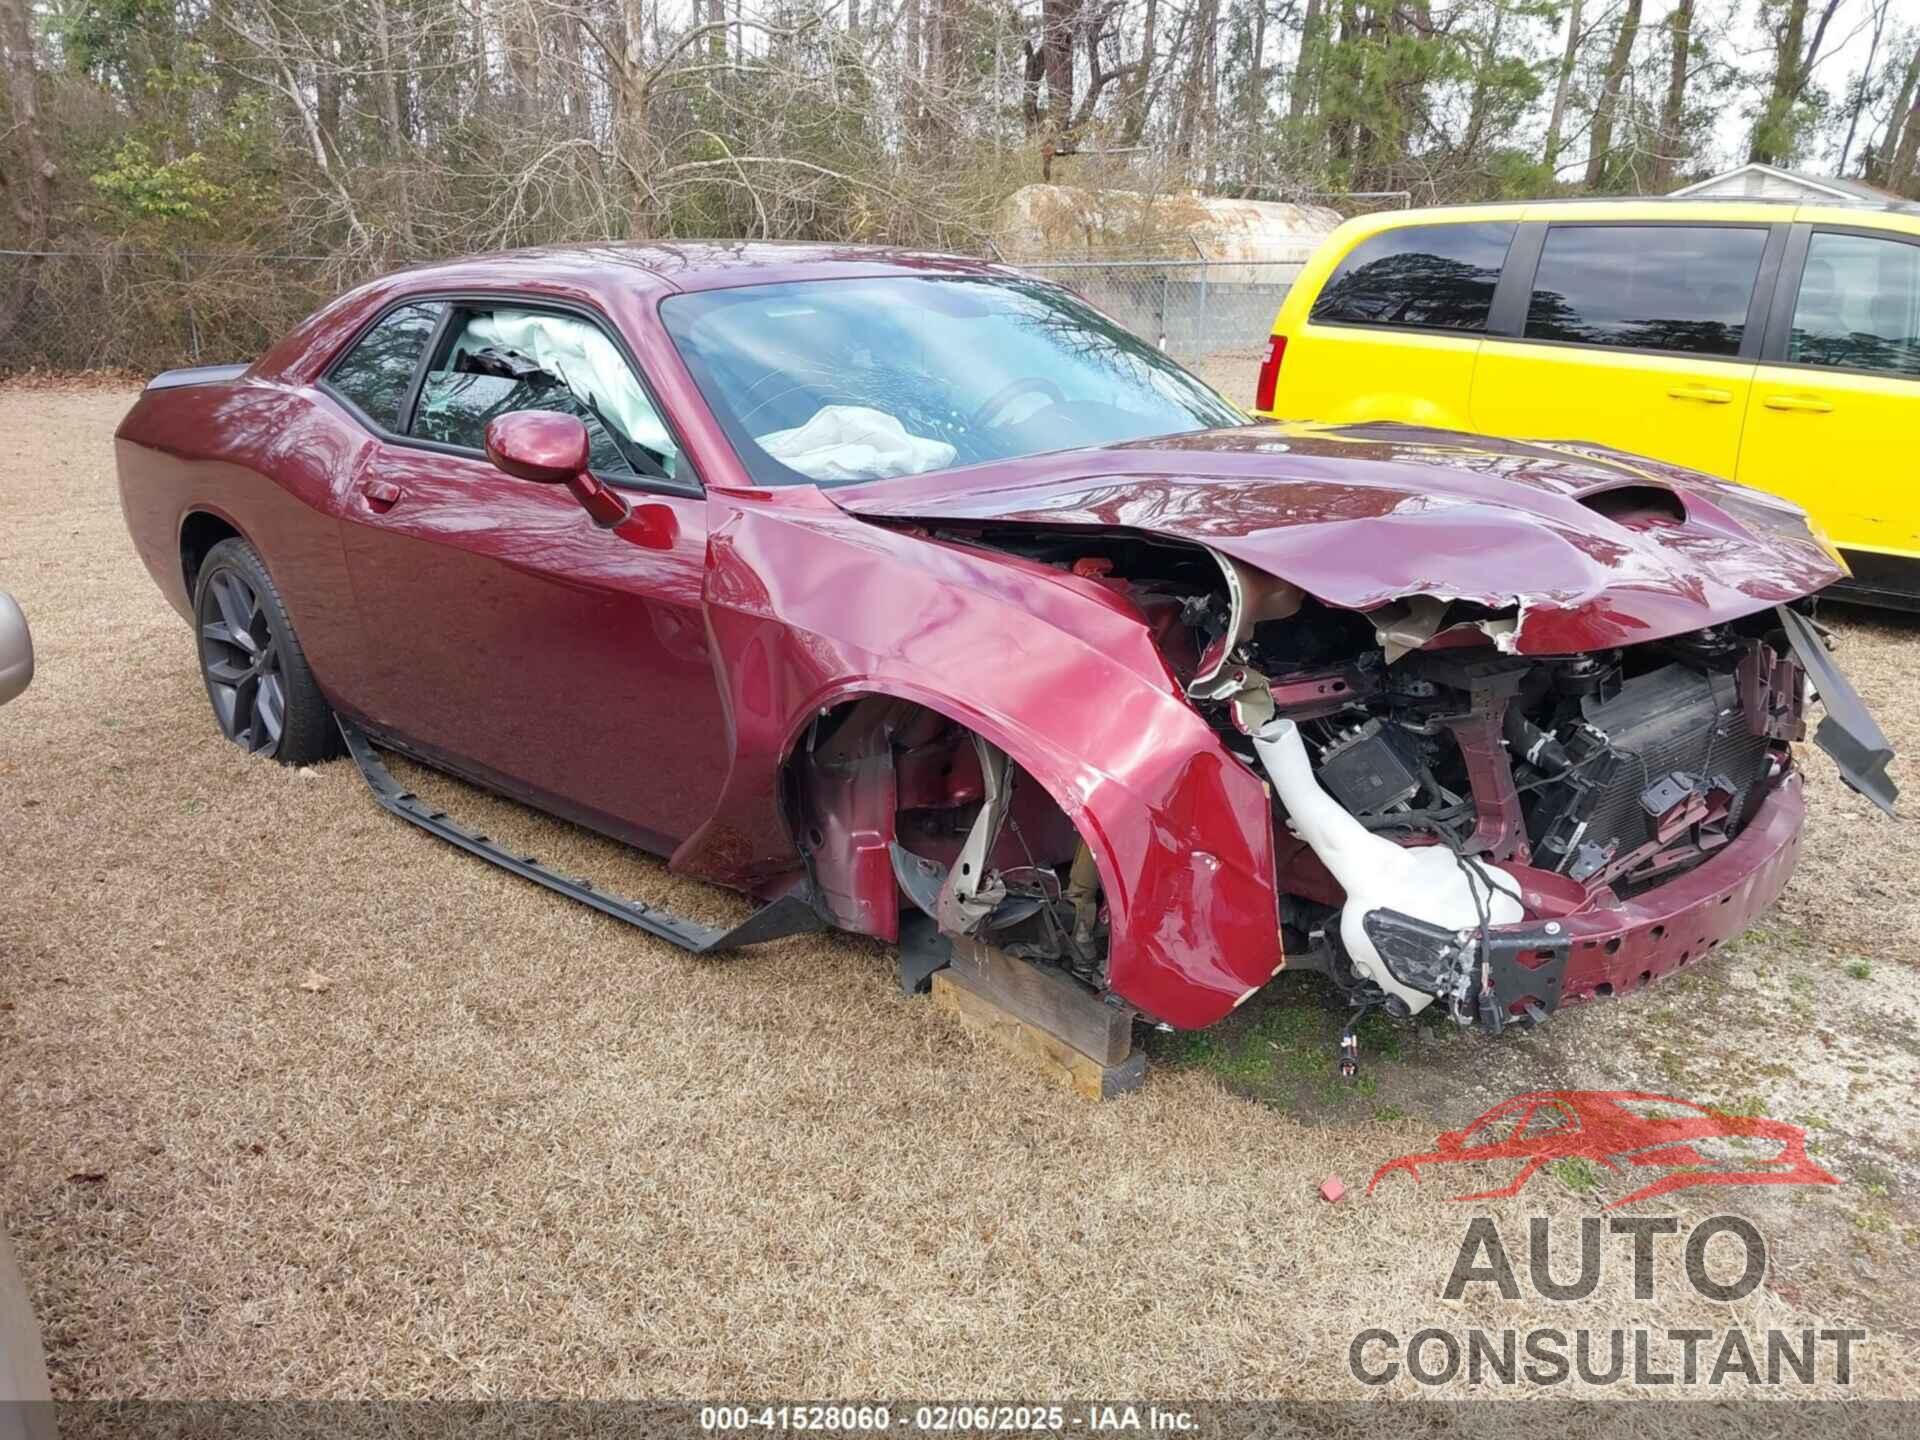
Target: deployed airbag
855	442
583	359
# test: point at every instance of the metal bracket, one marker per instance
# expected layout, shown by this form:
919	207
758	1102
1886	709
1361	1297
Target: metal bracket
1848	731
791	914
969	894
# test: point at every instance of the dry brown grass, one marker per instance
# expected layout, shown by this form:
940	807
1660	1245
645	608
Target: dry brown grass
512	1148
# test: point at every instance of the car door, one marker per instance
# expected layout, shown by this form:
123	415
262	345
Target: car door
1836	400
1638	335
507	633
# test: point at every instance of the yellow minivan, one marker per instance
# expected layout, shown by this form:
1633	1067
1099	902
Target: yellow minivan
1773	343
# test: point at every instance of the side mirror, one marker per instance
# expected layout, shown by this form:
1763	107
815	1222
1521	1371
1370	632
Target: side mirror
538	445
552	449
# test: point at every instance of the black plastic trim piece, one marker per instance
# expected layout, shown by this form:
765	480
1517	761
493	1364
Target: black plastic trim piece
1416	953
924	949
1892	581
1760	305
1507	319
1786	294
792	914
1848	732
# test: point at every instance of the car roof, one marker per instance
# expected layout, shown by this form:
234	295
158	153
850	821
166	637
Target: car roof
1902	217
676	265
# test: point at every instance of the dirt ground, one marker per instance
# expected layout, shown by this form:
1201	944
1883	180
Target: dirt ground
298	1102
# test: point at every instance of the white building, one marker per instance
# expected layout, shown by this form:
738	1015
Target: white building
1754	181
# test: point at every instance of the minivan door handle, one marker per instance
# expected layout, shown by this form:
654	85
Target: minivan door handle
1705	394
1812	404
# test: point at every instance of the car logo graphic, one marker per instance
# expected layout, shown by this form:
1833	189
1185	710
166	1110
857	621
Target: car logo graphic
1623	1130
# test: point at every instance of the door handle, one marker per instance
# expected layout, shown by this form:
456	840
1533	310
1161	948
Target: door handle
1705	394
381	494
1812	404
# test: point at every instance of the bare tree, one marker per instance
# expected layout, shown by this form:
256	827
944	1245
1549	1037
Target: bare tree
1563	83
1673	109
29	183
1794	58
1600	136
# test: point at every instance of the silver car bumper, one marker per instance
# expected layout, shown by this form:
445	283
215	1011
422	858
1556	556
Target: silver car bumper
16	649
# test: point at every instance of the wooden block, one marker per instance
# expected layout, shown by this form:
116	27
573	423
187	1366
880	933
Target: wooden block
1053	1056
1047	998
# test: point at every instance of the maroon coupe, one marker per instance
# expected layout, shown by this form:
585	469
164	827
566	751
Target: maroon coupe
916	597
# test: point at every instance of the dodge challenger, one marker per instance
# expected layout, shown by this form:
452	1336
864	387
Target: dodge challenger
915	597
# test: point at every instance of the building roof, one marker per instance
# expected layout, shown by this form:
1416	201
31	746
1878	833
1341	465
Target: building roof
1826	187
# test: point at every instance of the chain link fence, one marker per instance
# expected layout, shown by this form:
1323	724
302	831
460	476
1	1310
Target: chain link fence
148	311
1201	312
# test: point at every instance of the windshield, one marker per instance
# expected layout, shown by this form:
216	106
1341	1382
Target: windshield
827	381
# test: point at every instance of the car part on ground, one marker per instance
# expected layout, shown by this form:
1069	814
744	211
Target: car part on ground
16	649
1018	696
793	913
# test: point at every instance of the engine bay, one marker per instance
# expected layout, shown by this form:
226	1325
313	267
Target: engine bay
1590	777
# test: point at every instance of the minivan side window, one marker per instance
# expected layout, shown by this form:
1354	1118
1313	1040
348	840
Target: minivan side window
1430	277
1859	305
1679	288
376	372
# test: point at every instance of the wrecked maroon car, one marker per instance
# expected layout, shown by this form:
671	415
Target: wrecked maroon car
916	598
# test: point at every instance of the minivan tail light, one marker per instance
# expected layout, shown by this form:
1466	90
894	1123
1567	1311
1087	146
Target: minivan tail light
1269	382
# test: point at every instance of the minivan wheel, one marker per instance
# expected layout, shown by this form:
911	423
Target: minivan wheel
263	694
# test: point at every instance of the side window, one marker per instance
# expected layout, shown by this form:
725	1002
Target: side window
1859	305
375	373
1438	277
498	361
1646	287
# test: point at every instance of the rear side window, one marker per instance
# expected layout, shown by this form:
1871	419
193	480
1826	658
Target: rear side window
1646	287
1859	306
375	373
1432	277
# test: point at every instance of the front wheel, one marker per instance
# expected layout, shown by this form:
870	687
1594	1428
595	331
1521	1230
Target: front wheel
263	694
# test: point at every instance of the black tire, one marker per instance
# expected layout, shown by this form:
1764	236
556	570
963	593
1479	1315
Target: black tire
263	694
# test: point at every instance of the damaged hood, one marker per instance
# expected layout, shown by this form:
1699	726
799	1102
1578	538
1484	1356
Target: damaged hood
1584	547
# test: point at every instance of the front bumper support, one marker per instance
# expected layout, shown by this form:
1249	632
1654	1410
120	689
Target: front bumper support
1848	732
1507	974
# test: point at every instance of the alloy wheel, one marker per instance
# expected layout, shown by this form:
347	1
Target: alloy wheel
242	663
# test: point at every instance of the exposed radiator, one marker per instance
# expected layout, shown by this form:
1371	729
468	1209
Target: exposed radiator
1671	719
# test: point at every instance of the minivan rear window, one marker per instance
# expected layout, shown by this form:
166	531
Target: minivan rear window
1680	288
1430	277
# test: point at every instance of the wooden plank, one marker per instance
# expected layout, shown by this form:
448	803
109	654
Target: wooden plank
1048	998
1053	1056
